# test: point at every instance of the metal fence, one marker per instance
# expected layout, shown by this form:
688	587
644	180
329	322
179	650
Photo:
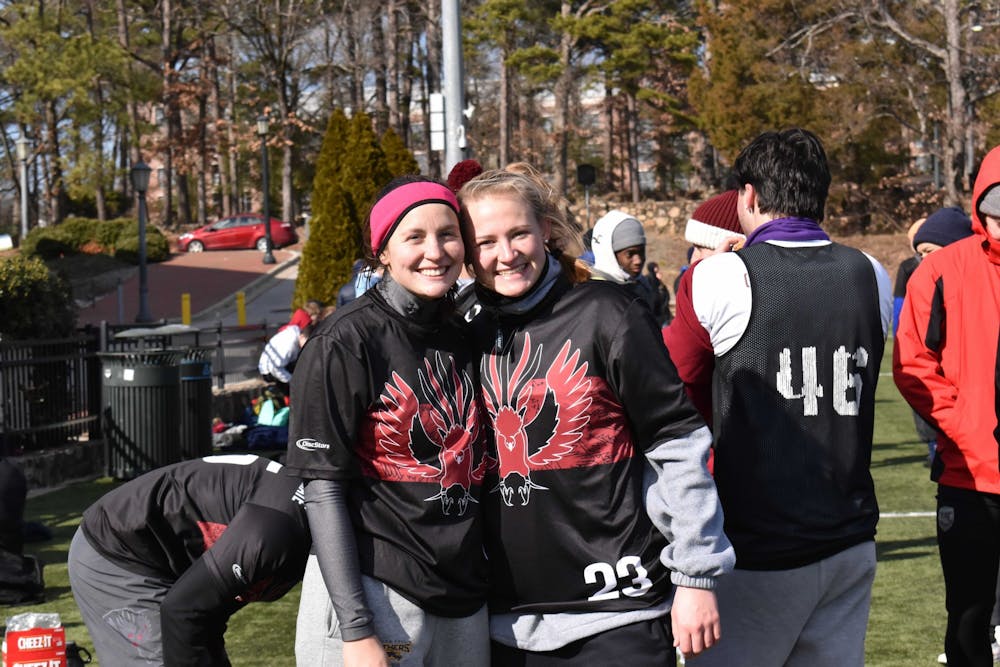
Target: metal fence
237	348
50	391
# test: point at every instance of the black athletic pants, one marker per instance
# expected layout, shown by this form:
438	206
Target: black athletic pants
968	531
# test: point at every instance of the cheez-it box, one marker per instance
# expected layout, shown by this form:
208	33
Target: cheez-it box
34	646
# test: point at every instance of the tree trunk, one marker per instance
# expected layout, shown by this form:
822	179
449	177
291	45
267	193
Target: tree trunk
609	138
433	78
525	142
382	58
503	119
203	121
355	86
633	148
133	108
391	40
287	199
99	202
55	187
183	178
235	198
221	142
102	213
562	94
954	150
402	124
168	113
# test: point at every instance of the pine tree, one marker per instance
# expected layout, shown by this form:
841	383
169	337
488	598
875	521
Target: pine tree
365	170
330	250
326	258
397	156
350	170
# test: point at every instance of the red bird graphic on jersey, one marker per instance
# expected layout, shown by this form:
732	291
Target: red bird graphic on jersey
434	440
516	400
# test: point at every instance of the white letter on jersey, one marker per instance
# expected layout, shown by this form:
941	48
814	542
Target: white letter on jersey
811	389
844	379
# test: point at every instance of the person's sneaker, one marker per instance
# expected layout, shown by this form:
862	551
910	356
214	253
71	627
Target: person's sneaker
994	647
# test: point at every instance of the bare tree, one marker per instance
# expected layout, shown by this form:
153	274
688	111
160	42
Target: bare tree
279	35
965	79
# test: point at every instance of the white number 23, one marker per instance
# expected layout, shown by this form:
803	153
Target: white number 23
627	567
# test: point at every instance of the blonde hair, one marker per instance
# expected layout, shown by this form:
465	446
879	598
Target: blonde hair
522	181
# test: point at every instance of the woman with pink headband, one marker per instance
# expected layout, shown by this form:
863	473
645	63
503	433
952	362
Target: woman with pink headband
385	429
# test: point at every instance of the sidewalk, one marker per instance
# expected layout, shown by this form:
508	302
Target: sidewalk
211	278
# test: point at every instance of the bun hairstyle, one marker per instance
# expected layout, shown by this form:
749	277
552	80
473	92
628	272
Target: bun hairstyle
522	181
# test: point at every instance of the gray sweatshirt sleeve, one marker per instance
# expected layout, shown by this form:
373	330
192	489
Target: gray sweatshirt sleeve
337	553
682	503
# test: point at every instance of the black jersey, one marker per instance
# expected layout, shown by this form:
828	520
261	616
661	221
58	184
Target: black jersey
576	390
226	530
794	407
163	521
389	403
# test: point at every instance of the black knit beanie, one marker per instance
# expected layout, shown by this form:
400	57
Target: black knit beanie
944	226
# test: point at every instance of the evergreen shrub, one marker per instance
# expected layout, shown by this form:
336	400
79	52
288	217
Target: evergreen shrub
34	301
118	238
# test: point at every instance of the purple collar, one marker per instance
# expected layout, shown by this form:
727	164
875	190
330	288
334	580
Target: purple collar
788	229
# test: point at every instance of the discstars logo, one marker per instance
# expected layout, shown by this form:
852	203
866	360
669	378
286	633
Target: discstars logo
310	445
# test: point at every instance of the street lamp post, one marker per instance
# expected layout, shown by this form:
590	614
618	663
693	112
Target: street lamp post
262	133
140	182
22	157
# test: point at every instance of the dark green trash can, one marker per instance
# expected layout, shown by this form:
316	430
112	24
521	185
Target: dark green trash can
196	403
140	400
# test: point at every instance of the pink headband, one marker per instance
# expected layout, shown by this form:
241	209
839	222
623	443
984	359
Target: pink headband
390	209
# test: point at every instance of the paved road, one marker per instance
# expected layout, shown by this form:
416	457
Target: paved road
268	299
212	279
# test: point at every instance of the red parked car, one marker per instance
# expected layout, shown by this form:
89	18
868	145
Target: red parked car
245	230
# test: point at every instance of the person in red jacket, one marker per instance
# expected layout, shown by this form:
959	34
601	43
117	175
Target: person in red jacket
946	365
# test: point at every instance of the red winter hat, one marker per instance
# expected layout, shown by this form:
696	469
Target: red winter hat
462	173
714	220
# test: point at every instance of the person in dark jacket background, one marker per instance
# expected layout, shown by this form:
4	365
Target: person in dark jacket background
940	228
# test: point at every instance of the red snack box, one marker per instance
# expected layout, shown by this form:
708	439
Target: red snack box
37	647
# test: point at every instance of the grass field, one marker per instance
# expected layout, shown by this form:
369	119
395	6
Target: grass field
906	628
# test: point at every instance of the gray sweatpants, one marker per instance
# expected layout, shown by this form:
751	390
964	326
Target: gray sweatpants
812	616
411	636
120	608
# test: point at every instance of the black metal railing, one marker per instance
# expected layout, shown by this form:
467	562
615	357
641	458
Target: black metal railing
237	348
50	391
